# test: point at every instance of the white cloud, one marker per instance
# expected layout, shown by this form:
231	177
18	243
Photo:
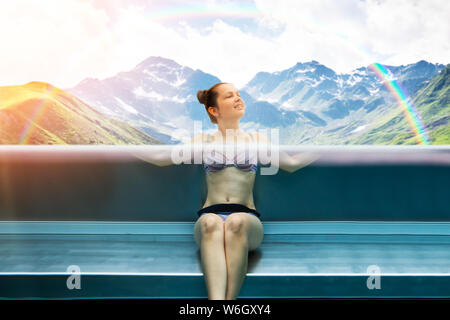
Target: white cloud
409	30
40	39
226	52
63	42
347	34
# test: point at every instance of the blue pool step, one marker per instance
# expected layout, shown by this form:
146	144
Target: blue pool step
310	259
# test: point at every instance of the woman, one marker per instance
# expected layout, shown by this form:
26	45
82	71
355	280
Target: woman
229	225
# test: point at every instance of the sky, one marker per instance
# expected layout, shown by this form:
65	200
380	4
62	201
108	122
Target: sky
63	42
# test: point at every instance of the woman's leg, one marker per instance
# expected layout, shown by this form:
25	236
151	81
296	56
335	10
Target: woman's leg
243	232
209	236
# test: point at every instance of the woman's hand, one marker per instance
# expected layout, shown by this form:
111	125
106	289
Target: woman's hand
292	163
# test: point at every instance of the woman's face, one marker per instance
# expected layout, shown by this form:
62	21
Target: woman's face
230	104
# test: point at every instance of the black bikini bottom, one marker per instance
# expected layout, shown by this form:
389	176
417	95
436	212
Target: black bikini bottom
227	208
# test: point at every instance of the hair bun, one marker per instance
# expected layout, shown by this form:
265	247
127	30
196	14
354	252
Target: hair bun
202	96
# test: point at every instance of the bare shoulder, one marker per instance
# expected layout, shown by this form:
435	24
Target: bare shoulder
260	137
200	138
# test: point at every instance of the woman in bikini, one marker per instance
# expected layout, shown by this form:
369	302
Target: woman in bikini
229	225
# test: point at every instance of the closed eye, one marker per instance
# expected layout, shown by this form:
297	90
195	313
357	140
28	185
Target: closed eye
229	96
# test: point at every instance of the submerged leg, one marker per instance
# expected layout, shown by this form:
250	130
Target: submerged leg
209	236
243	232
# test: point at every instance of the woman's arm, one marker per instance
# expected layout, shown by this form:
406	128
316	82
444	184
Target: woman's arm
290	163
159	158
297	161
171	155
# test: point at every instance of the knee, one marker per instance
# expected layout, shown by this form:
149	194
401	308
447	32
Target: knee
236	224
211	224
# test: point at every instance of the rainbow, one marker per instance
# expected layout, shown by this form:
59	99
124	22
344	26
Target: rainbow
403	101
39	111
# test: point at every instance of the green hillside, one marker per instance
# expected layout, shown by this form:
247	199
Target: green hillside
433	105
39	113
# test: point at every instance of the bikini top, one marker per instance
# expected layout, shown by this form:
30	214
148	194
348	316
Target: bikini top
217	160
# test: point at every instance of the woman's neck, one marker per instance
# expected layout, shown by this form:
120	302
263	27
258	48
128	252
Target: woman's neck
234	126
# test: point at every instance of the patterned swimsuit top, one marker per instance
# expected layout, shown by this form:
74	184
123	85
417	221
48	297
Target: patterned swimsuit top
216	160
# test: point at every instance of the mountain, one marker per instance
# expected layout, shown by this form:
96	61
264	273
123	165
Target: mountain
315	87
339	106
159	97
39	113
432	103
309	103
